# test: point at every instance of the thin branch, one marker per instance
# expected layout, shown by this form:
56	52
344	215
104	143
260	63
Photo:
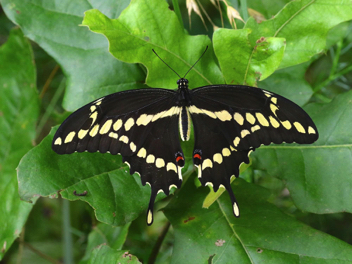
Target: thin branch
158	243
332	78
48	81
20	247
41	254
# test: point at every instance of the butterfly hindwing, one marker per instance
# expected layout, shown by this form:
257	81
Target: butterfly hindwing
141	125
231	121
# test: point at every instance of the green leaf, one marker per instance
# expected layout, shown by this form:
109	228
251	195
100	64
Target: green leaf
114	237
105	254
248	61
19	109
263	234
267	8
111	190
146	25
92	72
304	24
318	176
291	83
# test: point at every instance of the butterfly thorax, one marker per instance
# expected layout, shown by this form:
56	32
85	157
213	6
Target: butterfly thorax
184	98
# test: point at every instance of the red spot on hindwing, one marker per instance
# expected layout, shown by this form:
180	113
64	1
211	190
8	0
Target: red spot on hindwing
178	158
197	156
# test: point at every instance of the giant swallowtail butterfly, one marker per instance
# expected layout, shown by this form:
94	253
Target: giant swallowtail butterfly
144	125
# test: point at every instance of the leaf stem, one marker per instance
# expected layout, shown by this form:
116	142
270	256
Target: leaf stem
48	81
20	247
158	243
331	78
244	10
177	11
336	58
41	254
51	107
67	237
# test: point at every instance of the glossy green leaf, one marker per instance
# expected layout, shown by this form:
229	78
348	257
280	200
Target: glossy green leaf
106	254
116	196
147	25
263	234
84	58
267	8
244	62
112	236
291	83
304	24
318	176
19	108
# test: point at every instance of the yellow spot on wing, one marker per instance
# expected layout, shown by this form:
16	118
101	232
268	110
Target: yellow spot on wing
124	139
58	141
236	210
239	118
92	108
286	124
172	111
244	133
159	163
172	186
69	137
94	117
236	141
226	152
106	127
207	163
250	118
299	127
113	135
117	125
171	166
273	109
311	130
133	147
199	171
150	158
142	153
195	110
217	158
255	128
144	120
129	123
209	183
82	133
150	217
274	100
262	120
274	122
223	115
94	130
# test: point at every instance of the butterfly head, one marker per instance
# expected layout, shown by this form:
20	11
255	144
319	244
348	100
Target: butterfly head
182	83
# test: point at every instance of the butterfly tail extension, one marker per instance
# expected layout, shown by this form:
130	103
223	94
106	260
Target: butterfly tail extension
150	214
235	208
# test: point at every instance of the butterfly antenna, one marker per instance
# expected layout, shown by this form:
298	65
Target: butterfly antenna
166	63
196	62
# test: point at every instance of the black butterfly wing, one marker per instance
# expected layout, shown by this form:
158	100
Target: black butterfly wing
141	125
230	121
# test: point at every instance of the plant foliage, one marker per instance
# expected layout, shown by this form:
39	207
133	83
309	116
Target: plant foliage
286	54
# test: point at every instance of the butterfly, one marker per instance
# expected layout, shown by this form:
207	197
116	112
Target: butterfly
145	127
